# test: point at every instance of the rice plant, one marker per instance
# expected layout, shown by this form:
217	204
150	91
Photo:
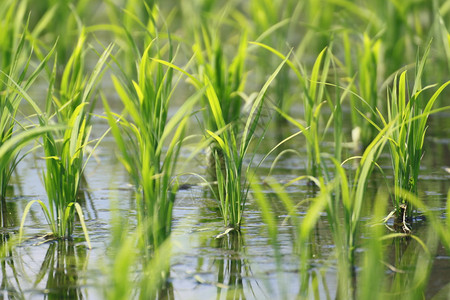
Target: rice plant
344	208
343	201
227	82
410	112
149	141
11	61
313	87
233	175
409	250
365	101
65	150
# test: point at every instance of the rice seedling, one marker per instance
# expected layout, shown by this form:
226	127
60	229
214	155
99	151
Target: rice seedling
149	144
65	149
413	283
228	84
365	100
409	250
143	139
11	56
345	201
313	99
232	176
410	112
374	262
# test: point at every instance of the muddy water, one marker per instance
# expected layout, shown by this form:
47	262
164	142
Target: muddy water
236	266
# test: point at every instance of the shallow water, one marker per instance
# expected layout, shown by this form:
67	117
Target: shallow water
236	266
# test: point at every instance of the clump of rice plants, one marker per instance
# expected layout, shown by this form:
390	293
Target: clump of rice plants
65	149
313	87
149	141
410	113
409	251
230	145
227	81
232	185
366	103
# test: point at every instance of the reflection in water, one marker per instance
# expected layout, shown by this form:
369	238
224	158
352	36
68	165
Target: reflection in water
84	196
413	261
8	211
165	292
10	285
60	268
232	269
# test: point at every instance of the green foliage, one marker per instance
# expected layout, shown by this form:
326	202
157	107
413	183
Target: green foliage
16	77
60	21
342	50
